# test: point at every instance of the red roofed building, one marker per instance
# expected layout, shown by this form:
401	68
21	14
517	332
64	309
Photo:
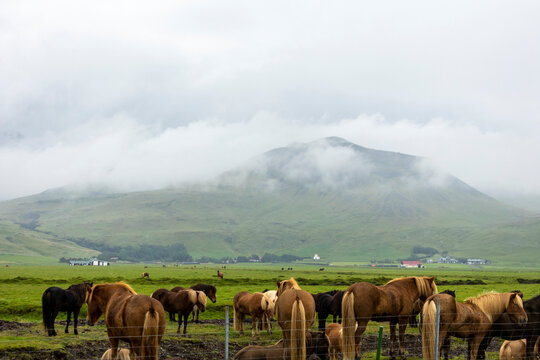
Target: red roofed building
411	264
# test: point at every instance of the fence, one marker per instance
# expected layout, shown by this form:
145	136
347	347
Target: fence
203	345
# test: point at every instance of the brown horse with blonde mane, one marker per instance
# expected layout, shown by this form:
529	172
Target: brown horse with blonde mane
295	312
137	319
392	302
255	305
470	319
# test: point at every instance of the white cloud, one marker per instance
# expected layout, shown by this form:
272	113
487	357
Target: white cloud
129	155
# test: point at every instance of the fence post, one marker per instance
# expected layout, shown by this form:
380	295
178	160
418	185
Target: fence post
437	322
379	343
226	333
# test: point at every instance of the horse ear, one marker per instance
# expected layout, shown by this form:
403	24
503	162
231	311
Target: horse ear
278	283
432	278
512	296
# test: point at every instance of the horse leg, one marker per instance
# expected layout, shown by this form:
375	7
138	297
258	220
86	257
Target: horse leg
186	317
392	339
179	323
75	321
255	324
362	324
68	321
268	324
197	320
54	314
482	348
402	327
172	316
113	340
322	320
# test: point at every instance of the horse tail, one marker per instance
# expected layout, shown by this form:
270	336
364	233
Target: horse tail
349	325
298	330
429	314
46	308
150	335
264	303
237	324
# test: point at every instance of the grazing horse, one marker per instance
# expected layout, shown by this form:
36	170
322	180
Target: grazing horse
271	295
181	302
55	299
145	275
220	274
506	329
516	350
256	305
209	290
392	302
316	346
137	319
295	310
470	319
328	303
334	334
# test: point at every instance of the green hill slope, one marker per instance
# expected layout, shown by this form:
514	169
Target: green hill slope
330	197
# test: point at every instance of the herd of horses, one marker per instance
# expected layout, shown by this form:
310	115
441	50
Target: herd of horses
139	320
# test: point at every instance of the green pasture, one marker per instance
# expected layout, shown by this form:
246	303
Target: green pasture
21	288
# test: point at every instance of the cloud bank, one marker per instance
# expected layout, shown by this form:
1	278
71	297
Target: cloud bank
128	155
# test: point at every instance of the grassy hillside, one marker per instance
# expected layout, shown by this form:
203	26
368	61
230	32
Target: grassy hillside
374	206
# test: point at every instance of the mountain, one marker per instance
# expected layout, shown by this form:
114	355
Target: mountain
331	197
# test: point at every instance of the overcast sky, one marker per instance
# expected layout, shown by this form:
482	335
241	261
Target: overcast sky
144	95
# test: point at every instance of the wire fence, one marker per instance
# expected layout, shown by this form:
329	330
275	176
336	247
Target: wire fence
225	341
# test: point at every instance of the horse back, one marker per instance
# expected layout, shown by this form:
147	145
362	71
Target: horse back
56	298
126	314
366	298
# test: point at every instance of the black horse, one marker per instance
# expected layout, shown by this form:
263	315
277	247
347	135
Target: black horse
209	290
55	299
328	303
504	328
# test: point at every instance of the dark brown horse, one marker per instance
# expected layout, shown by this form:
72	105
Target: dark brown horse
181	302
328	303
470	319
255	305
392	302
145	275
295	311
137	319
55	299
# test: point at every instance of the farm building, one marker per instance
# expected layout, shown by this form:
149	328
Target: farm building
411	263
91	262
476	261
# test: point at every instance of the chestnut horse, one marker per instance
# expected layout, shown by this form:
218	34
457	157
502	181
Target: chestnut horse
334	334
181	302
470	319
295	310
516	350
137	319
255	305
392	302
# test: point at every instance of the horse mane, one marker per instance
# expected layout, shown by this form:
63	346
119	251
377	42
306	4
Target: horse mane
120	284
204	287
294	284
80	290
491	302
192	295
201	296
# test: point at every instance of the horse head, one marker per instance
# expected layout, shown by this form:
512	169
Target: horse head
515	309
95	306
211	293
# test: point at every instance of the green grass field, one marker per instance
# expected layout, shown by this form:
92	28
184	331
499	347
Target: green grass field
21	288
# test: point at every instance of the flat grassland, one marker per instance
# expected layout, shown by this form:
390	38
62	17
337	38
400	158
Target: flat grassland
21	287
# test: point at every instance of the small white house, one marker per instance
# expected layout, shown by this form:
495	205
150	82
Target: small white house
316	257
91	262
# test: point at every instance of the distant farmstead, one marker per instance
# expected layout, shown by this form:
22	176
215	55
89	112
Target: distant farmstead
90	262
316	257
476	261
411	264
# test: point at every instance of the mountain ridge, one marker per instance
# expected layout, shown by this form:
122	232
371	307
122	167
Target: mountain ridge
338	199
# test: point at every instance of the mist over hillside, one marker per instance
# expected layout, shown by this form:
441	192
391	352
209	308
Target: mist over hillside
330	196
